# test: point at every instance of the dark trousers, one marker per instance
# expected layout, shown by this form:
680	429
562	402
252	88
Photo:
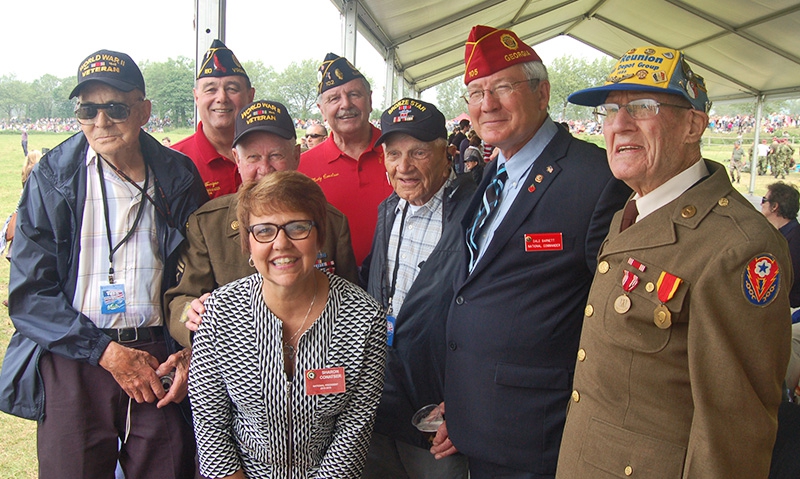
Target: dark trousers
85	416
488	470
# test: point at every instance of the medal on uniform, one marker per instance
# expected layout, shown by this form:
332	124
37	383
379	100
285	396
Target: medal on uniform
637	264
666	286
662	317
622	304
629	282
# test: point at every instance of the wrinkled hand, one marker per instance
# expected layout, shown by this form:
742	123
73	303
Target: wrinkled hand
195	311
442	446
134	371
179	362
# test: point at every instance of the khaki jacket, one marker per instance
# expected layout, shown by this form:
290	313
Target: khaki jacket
692	392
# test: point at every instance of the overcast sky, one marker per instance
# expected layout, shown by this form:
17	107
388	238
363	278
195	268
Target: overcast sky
54	36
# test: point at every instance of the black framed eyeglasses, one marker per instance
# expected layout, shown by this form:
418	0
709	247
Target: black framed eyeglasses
116	112
295	230
315	135
764	199
637	109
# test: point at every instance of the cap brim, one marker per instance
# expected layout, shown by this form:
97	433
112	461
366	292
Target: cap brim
269	129
597	95
119	85
421	135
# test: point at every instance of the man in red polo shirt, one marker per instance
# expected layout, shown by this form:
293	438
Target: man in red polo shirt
348	166
221	90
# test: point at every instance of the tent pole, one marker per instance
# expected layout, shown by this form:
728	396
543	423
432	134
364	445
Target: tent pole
756	142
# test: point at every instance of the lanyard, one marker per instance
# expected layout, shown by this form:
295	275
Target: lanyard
393	285
168	214
113	249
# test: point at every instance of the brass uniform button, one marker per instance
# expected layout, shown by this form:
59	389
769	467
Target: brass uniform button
589	310
649	287
603	267
628	470
688	211
723	202
581	354
576	396
235	225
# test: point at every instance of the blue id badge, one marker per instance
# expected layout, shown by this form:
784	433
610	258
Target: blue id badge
112	298
390	320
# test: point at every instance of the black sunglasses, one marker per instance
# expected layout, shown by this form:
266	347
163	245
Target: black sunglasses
764	199
314	135
116	112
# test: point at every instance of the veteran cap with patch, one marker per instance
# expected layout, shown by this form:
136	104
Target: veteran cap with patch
264	115
656	69
335	71
490	50
112	68
417	118
219	61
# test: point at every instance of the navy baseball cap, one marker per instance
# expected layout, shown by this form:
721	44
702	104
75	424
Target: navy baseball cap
264	115
417	118
112	68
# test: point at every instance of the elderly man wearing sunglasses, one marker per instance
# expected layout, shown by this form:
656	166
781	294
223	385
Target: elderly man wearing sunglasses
98	229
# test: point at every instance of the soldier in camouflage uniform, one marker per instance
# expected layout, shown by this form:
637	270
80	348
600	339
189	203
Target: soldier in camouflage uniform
736	162
773	156
785	152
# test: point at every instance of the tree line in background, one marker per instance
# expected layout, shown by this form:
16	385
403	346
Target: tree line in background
169	87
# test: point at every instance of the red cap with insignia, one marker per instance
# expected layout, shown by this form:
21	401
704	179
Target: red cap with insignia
490	50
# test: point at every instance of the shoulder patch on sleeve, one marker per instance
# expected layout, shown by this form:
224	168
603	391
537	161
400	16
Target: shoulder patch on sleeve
761	279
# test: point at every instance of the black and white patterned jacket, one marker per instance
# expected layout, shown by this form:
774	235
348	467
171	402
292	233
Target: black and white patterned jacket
248	414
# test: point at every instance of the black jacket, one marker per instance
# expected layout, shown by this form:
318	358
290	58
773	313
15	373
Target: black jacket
415	362
46	255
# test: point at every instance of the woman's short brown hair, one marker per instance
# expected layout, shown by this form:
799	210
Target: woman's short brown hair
280	192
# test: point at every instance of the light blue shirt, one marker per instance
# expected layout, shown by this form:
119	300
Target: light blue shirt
518	167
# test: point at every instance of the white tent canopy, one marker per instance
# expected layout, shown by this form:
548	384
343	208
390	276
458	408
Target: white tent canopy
743	48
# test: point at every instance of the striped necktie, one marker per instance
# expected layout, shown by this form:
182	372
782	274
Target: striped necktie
491	198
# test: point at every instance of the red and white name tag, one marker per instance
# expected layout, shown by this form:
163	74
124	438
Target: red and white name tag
543	242
324	381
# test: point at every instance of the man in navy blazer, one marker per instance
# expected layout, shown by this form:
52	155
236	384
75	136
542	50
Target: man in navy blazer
516	316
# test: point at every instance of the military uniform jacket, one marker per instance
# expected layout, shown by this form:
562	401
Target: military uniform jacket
692	393
515	321
211	258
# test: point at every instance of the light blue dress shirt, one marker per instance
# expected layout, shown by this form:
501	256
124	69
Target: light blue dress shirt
518	168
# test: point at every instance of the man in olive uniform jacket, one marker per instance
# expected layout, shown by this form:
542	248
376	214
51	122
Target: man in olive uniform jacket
265	142
686	334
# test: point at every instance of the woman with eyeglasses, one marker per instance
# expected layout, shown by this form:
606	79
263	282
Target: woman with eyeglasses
287	365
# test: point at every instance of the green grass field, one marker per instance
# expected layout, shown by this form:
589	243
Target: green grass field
18	436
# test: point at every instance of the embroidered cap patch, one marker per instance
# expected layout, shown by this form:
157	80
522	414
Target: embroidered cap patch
761	280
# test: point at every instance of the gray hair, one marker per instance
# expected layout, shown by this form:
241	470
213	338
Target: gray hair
535	71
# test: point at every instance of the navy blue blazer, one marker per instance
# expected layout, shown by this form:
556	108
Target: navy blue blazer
515	322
